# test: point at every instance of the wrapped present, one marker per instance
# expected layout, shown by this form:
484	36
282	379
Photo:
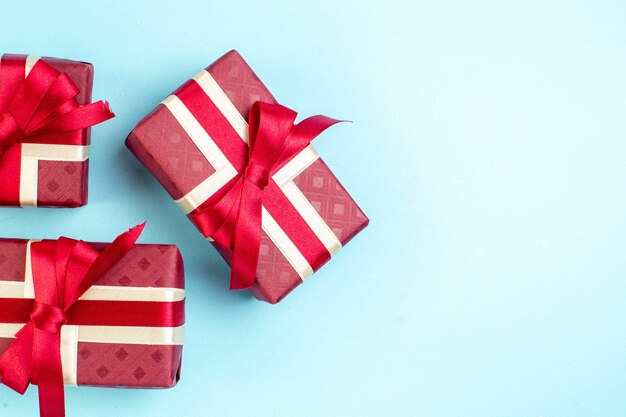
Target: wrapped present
246	175
45	118
76	313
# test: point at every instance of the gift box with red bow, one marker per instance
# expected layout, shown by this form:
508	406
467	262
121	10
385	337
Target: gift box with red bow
45	118
76	313
240	168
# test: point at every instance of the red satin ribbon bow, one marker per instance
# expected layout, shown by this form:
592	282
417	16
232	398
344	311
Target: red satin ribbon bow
64	271
235	220
46	103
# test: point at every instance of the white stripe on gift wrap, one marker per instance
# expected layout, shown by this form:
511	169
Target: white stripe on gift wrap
283	178
21	289
212	89
224	171
130	335
31	60
71	335
29	285
17	289
206	189
196	132
32	153
296	166
29	178
144	294
69	354
61	153
12	289
323	232
286	246
26	289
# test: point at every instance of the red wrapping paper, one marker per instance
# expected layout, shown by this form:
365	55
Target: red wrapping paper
63	183
166	149
114	364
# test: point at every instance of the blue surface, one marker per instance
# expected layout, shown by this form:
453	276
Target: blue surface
489	150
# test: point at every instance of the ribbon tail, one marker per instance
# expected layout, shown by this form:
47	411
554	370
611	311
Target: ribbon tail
304	132
49	375
51	400
79	118
16	361
107	260
247	239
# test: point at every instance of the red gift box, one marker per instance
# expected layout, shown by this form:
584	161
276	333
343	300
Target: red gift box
126	330
192	143
49	167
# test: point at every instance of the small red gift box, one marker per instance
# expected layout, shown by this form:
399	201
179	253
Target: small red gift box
45	118
125	330
196	143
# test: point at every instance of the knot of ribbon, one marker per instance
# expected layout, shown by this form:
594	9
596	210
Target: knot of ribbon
48	318
234	221
63	270
45	103
257	175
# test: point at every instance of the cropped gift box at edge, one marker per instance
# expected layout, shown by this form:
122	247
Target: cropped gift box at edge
77	313
232	158
45	118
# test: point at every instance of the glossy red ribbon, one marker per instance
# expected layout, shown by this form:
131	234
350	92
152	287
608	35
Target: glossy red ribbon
63	271
235	220
43	103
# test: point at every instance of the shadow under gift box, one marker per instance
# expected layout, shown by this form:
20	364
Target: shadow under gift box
60	183
112	356
170	151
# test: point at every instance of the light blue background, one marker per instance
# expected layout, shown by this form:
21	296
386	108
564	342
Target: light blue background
489	150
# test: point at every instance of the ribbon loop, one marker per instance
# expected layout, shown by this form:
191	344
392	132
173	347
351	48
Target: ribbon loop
10	132
273	140
45	103
47	317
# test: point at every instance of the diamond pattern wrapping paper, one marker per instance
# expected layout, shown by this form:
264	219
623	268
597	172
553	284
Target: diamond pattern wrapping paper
168	143
63	183
146	357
